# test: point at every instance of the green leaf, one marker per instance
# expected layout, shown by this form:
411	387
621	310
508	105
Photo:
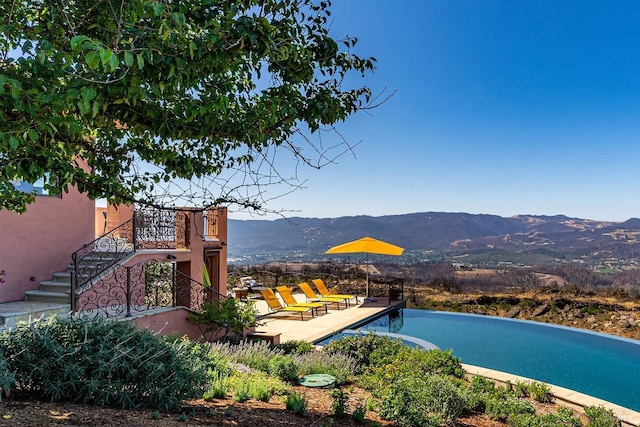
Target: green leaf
105	56
93	59
157	8
113	62
128	59
140	59
179	18
77	41
14	142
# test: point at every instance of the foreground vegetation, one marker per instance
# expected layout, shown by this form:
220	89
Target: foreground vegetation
104	363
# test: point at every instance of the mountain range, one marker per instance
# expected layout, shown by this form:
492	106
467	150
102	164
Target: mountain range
446	234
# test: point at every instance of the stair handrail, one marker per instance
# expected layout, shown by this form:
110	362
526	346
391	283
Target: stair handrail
158	230
112	247
202	292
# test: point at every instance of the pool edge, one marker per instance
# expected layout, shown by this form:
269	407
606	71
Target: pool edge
569	397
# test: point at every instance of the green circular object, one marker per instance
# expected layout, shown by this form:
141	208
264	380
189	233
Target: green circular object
317	380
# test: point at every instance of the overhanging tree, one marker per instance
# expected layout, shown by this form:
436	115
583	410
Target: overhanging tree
122	97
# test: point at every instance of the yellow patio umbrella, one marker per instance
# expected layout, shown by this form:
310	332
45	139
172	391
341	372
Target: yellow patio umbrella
367	245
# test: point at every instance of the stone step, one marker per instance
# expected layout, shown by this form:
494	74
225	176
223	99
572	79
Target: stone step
54	286
47	297
62	277
23	311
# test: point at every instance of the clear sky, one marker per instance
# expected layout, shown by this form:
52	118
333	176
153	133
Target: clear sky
500	107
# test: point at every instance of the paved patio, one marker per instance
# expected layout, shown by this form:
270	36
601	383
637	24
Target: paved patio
312	329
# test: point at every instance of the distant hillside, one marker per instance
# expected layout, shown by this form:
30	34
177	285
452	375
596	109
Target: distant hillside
447	233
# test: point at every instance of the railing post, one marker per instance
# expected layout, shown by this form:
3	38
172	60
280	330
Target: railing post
134	237
74	281
173	285
128	292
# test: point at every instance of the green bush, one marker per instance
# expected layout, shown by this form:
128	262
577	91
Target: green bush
402	403
7	378
103	363
364	348
225	317
540	392
297	403
242	391
501	409
360	412
296	347
521	389
443	398
283	367
562	418
255	354
260	390
480	384
417	401
218	388
411	362
599	416
339	404
340	366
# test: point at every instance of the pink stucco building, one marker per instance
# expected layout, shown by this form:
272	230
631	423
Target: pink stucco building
101	245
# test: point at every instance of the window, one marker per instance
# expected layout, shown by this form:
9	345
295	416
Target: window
36	188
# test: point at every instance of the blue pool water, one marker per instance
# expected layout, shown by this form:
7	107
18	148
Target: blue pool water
596	364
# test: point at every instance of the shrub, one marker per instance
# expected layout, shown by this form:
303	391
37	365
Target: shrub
480	384
7	378
260	383
255	354
402	403
540	392
296	347
217	388
599	416
501	409
297	403
260	390
365	348
242	391
521	389
340	366
443	398
226	317
283	367
411	362
563	417
359	413
338	406
102	362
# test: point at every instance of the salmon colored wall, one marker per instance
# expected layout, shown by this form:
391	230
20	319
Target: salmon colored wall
40	242
169	322
193	256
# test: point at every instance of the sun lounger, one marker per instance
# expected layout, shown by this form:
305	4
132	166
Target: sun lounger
290	300
275	306
325	292
312	296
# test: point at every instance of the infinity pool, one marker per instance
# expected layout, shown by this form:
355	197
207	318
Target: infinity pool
599	365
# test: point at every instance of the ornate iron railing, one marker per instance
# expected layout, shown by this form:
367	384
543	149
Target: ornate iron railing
191	293
147	229
141	287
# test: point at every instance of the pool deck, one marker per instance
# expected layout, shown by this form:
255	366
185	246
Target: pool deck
290	327
313	329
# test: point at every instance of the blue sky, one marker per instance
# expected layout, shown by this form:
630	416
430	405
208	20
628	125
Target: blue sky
500	107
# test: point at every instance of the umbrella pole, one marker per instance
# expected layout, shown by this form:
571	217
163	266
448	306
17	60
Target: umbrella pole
367	266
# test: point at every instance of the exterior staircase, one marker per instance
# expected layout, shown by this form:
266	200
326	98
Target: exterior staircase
55	291
53	297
